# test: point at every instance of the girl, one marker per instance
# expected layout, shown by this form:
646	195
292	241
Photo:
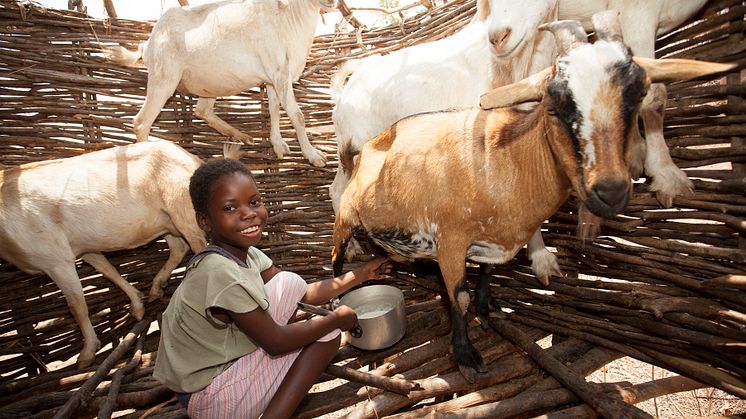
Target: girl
226	346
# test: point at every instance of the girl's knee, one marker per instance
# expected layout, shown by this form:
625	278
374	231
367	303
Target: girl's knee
335	335
292	279
290	284
332	346
327	347
289	279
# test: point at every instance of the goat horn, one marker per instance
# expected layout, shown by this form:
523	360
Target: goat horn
527	90
607	27
483	11
567	33
675	69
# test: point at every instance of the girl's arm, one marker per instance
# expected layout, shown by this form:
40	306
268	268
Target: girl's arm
321	292
279	339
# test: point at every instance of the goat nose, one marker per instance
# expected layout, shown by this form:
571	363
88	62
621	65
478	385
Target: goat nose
612	193
500	38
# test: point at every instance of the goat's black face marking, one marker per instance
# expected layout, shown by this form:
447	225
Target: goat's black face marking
566	110
631	77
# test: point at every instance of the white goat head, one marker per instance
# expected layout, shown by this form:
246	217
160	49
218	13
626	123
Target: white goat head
513	25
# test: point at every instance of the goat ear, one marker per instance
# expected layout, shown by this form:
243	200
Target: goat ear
606	25
527	90
483	11
673	69
232	151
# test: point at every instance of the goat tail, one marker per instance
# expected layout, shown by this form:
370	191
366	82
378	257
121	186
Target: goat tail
232	150
123	56
339	78
347	159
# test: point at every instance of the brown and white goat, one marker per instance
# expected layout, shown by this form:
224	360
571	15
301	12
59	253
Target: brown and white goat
475	184
53	212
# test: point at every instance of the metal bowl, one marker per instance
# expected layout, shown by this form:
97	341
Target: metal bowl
380	314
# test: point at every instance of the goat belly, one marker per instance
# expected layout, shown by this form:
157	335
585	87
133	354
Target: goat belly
412	246
405	244
494	254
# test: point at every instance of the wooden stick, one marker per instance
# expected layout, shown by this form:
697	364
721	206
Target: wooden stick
397	385
453	382
727	281
84	393
700	371
589	362
107	407
609	407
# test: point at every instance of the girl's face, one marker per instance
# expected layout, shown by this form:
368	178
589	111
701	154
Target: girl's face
235	215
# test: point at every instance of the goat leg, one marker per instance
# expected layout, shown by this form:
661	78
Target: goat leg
468	358
338	257
483	298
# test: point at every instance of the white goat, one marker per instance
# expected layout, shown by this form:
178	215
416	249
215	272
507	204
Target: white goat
447	73
473	184
223	48
55	211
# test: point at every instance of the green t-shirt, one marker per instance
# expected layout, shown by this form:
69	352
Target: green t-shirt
195	346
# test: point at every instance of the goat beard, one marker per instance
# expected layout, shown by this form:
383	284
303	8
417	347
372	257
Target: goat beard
589	224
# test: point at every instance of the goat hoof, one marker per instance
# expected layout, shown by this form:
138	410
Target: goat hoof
84	362
245	138
88	354
471	374
137	311
316	157
280	147
544	265
155	294
469	362
670	183
666	199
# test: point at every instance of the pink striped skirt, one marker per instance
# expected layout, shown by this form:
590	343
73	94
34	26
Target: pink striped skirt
245	389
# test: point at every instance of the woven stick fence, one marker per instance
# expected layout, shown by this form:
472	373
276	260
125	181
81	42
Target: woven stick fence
665	286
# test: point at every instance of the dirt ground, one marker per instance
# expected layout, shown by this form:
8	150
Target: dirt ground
688	404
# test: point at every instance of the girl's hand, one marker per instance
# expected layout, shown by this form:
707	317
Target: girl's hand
347	317
373	269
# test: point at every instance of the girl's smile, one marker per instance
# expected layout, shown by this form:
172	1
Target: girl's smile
252	230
